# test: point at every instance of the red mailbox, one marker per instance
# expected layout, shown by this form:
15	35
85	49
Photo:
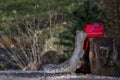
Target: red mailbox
93	31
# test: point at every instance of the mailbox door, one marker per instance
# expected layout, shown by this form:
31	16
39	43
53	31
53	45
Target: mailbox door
94	30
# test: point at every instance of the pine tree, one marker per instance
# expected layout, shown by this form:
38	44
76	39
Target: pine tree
80	14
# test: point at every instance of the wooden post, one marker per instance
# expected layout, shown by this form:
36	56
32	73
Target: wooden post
105	56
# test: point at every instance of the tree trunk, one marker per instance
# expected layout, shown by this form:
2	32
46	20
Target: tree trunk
111	19
105	56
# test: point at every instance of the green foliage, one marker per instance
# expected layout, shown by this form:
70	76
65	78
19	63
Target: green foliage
3	66
80	14
21	8
14	11
28	24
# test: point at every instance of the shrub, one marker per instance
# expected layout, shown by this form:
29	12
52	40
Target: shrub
80	14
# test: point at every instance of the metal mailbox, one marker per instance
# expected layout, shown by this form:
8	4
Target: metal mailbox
93	31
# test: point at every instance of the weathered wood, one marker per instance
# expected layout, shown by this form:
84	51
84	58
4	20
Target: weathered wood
71	64
105	56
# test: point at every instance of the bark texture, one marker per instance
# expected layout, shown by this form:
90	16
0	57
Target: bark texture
105	56
71	64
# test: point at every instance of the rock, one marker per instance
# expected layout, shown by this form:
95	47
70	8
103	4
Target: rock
50	57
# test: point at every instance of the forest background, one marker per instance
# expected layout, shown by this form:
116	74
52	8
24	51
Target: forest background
30	30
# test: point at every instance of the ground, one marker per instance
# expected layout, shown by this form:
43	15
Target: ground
18	75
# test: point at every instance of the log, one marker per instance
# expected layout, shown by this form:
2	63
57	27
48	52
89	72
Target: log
104	56
71	64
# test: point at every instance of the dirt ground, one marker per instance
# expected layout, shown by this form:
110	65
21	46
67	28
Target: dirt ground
60	77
